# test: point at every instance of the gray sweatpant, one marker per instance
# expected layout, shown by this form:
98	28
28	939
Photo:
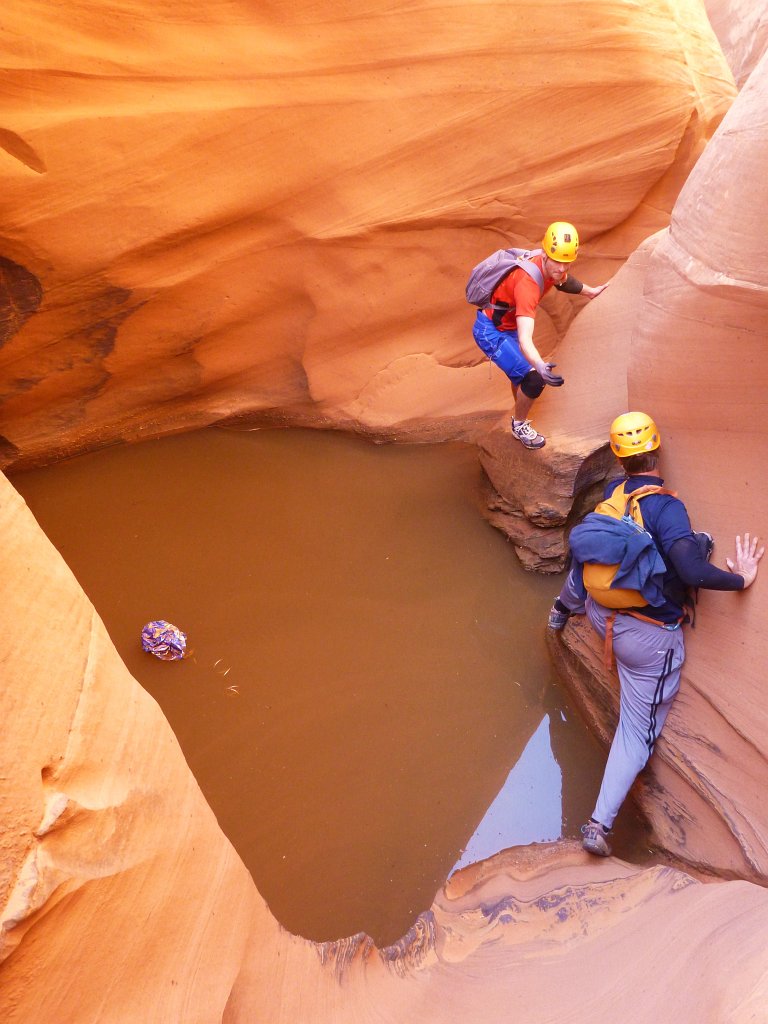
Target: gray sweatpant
649	659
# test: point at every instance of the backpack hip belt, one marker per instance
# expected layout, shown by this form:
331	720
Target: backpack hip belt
609	622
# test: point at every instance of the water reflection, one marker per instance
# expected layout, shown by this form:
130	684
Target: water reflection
528	807
368	656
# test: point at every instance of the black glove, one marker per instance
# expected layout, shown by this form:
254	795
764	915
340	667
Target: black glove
553	379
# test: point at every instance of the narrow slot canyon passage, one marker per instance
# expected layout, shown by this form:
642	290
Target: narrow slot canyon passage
367	702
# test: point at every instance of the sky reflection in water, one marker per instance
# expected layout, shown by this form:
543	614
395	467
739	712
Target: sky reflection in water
528	807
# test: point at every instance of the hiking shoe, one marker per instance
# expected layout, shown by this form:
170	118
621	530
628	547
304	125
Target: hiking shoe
594	840
557	619
527	436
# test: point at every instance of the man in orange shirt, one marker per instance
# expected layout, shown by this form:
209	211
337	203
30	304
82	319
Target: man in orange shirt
504	328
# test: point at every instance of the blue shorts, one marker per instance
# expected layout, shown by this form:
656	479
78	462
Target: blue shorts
501	347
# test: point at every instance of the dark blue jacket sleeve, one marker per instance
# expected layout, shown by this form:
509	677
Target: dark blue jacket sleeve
695	571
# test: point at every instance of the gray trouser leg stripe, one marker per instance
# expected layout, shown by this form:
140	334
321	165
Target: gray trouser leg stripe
658	698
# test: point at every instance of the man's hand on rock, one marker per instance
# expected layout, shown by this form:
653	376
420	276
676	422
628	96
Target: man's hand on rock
747	557
592	292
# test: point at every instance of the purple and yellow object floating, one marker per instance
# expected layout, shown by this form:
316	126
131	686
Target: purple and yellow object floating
164	640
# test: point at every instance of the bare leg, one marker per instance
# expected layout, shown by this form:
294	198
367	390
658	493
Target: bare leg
521	427
523	405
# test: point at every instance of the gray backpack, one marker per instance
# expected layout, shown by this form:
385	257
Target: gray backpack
488	275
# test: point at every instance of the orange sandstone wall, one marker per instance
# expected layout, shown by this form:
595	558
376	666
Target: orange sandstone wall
695	359
700	354
210	213
270	212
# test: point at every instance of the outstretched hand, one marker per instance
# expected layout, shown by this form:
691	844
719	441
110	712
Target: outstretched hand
553	379
747	557
592	292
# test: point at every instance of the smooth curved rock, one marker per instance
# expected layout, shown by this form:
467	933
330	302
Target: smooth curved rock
706	290
271	214
287	240
522	936
697	363
742	28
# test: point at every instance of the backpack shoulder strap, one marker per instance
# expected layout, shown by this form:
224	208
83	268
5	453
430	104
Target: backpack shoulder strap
633	499
532	271
617	501
643	492
522	262
622	502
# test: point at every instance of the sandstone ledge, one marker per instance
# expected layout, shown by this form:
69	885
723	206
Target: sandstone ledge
534	497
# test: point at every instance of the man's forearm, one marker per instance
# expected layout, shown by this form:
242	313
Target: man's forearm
573	286
592	291
527	347
695	571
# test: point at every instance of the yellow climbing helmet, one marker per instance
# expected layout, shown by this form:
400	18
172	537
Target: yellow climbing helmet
561	242
633	433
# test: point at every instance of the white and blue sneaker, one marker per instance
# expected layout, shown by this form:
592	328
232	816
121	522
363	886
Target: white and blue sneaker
526	435
557	619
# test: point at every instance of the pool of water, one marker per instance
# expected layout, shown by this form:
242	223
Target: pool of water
367	702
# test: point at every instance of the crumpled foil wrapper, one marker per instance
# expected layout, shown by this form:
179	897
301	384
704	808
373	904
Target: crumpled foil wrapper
164	640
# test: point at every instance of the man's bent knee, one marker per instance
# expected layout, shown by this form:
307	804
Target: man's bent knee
532	384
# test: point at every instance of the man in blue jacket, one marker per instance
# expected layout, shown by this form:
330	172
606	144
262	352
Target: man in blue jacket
648	640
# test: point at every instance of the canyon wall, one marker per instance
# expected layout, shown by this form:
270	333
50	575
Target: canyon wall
271	214
696	361
223	216
742	29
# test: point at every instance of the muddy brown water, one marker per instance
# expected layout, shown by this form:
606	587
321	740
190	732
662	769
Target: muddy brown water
368	702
